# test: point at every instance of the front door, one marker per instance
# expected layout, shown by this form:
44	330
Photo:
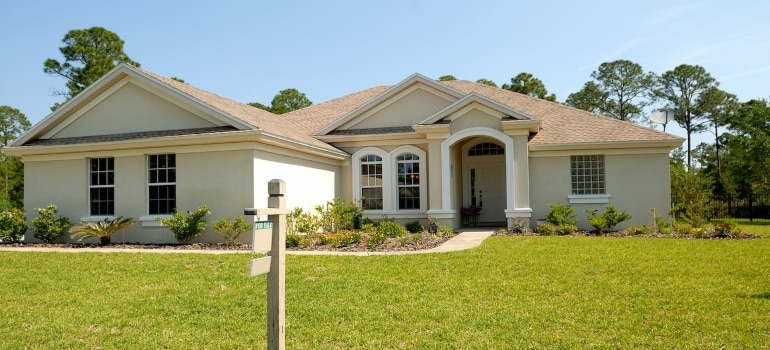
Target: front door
485	185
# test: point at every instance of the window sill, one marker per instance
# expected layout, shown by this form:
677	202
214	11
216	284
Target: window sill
149	220
589	198
97	218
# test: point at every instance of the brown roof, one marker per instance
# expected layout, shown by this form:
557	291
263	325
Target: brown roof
564	124
258	118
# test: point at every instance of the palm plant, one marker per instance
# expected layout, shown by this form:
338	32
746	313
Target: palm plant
101	229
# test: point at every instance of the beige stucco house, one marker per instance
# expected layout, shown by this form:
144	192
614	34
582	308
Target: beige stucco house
139	145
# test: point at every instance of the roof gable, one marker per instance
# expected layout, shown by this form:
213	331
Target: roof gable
404	104
128	100
475	101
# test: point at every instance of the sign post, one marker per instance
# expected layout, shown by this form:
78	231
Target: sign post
275	263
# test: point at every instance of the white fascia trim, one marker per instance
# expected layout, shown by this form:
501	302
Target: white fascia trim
518	213
446	166
97	218
442	214
629	145
149	220
589	198
470	99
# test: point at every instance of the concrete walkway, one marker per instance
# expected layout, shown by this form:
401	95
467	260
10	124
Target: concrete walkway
464	240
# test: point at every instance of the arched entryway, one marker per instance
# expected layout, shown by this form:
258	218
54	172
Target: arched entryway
493	172
483	182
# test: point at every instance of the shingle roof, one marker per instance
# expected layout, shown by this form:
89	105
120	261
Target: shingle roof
271	123
128	136
564	124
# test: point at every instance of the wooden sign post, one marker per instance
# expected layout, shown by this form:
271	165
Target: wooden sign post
275	263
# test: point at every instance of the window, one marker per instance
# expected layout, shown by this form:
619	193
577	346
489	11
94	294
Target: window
408	165
102	186
371	182
162	183
588	175
486	149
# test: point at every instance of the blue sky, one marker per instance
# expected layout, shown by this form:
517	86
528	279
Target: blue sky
250	50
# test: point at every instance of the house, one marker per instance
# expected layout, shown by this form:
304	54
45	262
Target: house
139	145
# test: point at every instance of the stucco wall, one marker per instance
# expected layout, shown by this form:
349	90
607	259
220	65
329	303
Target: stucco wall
132	109
308	183
409	110
636	183
219	180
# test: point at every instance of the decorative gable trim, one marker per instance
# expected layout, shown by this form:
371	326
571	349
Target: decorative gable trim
476	101
388	97
109	84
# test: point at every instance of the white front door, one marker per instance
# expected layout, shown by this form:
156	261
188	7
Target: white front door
486	187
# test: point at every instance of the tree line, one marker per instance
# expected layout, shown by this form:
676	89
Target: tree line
738	162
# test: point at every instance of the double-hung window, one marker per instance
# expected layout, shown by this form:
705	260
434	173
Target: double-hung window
408	165
101	188
371	182
161	181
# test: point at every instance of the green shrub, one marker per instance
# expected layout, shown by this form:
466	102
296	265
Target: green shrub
292	240
374	240
299	221
661	225
561	214
369	227
608	220
639	230
391	229
340	239
445	231
100	229
232	230
565	230
414	226
338	215
13	225
48	227
184	228
546	229
518	227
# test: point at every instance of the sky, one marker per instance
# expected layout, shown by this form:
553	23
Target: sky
250	50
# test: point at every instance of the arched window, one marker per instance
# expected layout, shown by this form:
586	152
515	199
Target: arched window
371	182
408	177
486	149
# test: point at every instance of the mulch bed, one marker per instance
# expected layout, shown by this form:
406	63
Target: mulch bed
390	245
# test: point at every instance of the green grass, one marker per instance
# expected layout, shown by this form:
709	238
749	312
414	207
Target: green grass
757	227
510	293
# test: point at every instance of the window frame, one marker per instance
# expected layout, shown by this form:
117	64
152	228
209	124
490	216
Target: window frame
588	179
109	185
390	200
169	170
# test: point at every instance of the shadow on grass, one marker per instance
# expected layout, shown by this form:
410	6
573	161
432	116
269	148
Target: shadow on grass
765	295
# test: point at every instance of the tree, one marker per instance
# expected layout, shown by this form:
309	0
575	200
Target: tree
590	98
88	55
683	87
626	85
285	101
527	84
717	107
12	124
487	82
747	145
448	77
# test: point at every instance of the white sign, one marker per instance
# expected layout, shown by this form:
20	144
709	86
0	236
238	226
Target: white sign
262	241
259	266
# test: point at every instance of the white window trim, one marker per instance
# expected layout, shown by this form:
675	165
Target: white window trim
423	178
97	218
389	185
149	219
589	198
90	186
386	177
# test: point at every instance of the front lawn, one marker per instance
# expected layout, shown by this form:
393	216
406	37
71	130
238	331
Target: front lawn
512	292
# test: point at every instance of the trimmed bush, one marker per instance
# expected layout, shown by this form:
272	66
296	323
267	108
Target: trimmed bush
414	226
232	230
299	221
391	229
13	225
608	220
48	226
561	214
185	228
546	229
